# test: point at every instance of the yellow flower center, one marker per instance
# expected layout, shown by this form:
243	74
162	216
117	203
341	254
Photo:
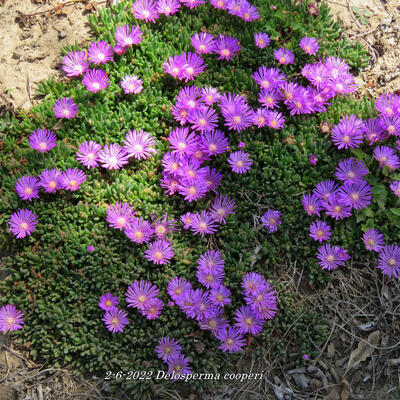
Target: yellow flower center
192	190
43	145
225	52
158	255
28	190
121	221
239	164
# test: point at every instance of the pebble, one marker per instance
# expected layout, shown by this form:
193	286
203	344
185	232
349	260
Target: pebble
62	34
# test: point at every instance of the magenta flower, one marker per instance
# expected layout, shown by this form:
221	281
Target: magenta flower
373	240
227	47
387	104
211	260
349	133
203	223
219	296
131	84
212	178
248	12
331	257
386	157
219	4
23	222
275	120
108	302
139	144
177	287
221	207
174	65
27	187
262	40
203	43
192	3
263	301
253	283
312	204
87	154
75	63
183	142
269	98
232	340
168	7
145	9
271	220
120	215
269	78
389	261
260	117
72	179
116	320
320	231
214	142
214	323
241	145
42	140
65	108
374	131
210	278
309	45
49	180
127	36
141	294
236	112
167	348
90	248
240	162
113	156
11	319
139	231
313	159
284	56
154	311
395	186
203	119
159	252
100	52
193	66
162	226
95	80
210	95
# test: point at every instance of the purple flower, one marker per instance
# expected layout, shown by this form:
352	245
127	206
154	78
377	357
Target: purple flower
203	223
247	321
167	348
203	43
192	190
42	140
139	144
284	56
357	195
145	9
65	108
212	178
131	84
395	186
139	231
269	78
227	47
95	80
271	220
391	124
262	40
203	119
210	260
309	45
100	52
23	222
210	95
126	36
116	320
331	257
335	207
72	178
159	252
312	204
192	67
386	157
263	301
219	295
49	180
389	260
215	323
162	226
87	154
387	104
183	142
313	159
351	170
11	319
108	302
75	63
168	7
260	117
120	215
27	187
90	249
210	278
241	145
219	4
214	142
275	120
373	240
113	156
320	231
252	283
174	65
186	219
325	189
154	311
178	365
221	207
313	9
248	12
141	294
177	287
240	162
232	340
192	3
374	131
348	133
236	112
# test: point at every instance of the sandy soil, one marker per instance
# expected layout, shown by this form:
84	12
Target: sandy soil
30	45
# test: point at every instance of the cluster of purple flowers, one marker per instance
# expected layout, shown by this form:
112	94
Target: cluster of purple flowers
137	144
114	318
169	350
11	319
142	295
225	46
207	307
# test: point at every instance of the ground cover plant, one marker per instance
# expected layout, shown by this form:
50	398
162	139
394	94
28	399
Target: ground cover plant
84	251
